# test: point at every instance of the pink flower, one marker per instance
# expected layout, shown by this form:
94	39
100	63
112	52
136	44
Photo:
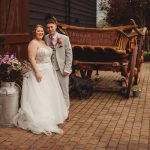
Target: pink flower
59	40
12	56
11	68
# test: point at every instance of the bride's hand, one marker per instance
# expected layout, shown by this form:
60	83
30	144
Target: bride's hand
38	76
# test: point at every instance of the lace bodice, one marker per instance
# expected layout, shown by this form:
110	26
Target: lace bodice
43	55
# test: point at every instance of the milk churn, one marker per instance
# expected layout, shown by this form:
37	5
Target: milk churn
9	102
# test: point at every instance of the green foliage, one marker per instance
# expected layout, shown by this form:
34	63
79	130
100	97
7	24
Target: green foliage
121	11
102	23
135	88
146	56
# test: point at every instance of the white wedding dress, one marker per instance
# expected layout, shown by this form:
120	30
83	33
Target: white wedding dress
42	103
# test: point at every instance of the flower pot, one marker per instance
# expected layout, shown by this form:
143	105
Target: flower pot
136	93
9	102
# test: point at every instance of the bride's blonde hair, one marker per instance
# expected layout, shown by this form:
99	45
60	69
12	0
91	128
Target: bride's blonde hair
34	30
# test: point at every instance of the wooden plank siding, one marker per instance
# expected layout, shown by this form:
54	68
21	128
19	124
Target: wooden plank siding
14	34
83	13
41	9
80	13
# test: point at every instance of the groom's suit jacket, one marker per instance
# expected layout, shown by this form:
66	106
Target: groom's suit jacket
63	52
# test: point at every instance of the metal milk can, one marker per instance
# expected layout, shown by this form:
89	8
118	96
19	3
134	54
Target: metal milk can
9	103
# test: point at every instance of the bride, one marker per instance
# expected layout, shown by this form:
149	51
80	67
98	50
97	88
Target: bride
42	103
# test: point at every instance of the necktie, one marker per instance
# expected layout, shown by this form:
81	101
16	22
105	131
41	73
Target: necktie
52	42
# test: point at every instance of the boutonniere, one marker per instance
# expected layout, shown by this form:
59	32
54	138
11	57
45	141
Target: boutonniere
60	42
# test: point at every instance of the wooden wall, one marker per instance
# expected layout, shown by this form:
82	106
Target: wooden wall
80	13
83	13
14	35
40	10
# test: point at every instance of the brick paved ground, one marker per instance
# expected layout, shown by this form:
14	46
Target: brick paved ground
106	121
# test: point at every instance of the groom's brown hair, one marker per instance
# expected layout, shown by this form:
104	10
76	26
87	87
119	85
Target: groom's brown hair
52	20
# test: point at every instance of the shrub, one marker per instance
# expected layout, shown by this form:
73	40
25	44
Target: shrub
146	56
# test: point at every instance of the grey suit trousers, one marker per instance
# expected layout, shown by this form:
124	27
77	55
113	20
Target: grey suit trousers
64	84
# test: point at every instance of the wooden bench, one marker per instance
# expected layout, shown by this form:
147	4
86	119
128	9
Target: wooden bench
116	48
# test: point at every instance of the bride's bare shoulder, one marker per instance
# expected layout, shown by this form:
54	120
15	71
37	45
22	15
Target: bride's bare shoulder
33	43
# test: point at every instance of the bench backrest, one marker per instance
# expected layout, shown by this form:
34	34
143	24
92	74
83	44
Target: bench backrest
98	37
92	37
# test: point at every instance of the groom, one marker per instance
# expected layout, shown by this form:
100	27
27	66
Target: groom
61	57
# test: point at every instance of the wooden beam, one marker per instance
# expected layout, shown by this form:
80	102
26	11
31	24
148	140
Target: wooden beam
127	27
14	38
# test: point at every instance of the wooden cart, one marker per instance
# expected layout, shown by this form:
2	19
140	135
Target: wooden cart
117	49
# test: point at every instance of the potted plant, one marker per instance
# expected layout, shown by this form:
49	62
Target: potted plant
136	91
